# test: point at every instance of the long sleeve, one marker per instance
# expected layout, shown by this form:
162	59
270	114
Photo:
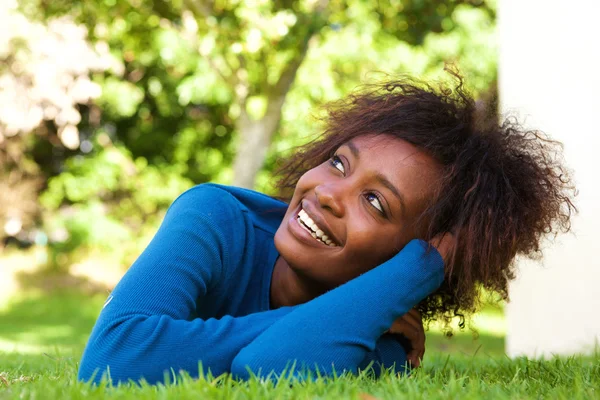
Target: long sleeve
388	352
335	331
147	325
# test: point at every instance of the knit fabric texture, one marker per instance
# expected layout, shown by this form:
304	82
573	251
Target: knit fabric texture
197	300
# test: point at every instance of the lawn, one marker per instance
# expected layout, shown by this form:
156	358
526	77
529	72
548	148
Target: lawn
42	335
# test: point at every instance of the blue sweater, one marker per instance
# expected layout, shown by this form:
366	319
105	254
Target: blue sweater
200	293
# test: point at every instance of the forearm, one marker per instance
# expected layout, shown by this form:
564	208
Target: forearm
336	330
388	353
147	327
139	346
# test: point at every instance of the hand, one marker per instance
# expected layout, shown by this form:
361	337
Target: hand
411	326
444	244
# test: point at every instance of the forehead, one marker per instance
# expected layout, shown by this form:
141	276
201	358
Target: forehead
408	168
389	154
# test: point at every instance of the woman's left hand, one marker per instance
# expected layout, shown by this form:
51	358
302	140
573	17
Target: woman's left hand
411	326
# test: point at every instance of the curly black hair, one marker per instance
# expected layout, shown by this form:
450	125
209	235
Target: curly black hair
502	189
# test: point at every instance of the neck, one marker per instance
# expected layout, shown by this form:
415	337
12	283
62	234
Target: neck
288	288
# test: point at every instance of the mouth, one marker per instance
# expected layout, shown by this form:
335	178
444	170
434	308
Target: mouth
319	233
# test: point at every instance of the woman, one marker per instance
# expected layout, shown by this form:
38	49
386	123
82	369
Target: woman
239	282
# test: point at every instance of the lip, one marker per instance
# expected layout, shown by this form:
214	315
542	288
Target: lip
300	233
319	220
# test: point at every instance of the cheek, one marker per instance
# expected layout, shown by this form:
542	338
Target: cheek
381	240
311	178
304	184
370	246
307	182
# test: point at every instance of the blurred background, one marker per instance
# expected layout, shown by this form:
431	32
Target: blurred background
110	109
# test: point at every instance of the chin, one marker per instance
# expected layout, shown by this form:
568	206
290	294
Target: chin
286	247
299	259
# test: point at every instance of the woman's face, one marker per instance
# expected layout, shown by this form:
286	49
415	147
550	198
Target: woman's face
365	200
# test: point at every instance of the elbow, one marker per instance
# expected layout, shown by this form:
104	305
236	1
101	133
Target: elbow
107	366
108	357
95	366
245	365
104	365
107	371
248	364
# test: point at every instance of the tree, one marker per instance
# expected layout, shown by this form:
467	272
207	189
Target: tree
44	76
256	47
262	44
196	87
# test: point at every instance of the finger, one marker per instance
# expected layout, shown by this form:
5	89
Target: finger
414	316
410	320
399	325
416	337
414	332
418	341
414	321
413	358
415	313
411	332
419	346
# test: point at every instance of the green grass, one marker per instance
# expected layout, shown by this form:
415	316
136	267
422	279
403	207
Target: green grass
42	336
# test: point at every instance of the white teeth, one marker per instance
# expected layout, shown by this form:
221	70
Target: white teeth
316	233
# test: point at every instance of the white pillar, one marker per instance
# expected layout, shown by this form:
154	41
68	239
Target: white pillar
549	72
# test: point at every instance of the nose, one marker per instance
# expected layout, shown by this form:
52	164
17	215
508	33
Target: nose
330	196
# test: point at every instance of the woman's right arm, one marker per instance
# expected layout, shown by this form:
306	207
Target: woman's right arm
146	326
338	330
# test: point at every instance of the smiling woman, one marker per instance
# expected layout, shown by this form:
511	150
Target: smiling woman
404	206
366	197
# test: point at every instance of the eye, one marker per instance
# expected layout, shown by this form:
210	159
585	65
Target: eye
375	202
337	163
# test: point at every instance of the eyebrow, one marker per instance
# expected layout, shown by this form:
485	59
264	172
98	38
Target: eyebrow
380	177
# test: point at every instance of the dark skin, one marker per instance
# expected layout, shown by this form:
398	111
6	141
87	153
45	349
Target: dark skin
366	199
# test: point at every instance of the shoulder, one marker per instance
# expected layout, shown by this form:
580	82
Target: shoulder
207	200
211	218
225	219
208	213
226	204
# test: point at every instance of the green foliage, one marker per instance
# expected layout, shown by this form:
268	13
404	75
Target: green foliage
49	331
108	202
184	72
443	377
120	99
333	68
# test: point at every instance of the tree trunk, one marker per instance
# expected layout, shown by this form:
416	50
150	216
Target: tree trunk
253	142
255	136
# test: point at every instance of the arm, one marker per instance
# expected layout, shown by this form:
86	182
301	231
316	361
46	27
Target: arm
403	346
147	327
389	352
337	330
